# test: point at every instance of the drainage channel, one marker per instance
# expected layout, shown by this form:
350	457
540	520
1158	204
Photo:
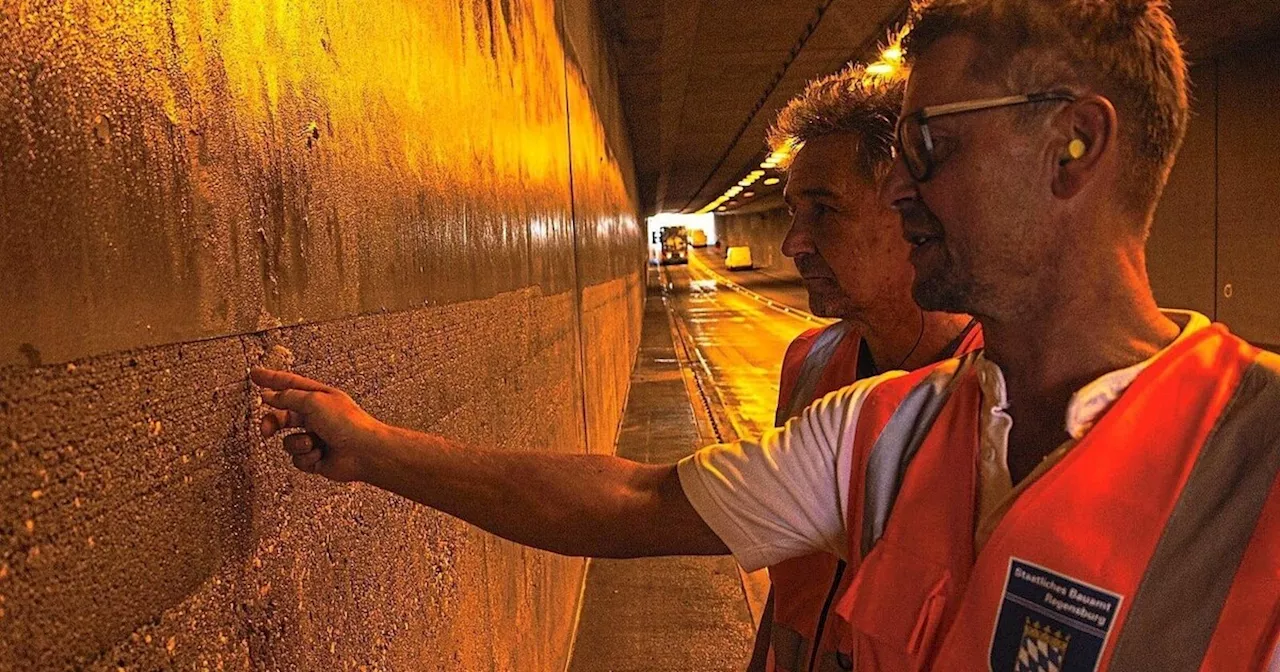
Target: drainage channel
715	424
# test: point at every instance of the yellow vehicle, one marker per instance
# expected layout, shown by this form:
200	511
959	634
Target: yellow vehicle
675	245
738	258
697	238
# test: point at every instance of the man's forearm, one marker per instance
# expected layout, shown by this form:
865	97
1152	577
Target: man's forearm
587	505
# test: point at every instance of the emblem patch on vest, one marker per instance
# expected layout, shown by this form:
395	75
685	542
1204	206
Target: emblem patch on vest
1049	622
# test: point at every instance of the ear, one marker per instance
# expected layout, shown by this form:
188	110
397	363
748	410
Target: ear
1086	136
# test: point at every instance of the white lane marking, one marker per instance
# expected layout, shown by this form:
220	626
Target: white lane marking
782	308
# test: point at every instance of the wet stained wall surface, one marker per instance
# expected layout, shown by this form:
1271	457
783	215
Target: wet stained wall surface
430	205
609	240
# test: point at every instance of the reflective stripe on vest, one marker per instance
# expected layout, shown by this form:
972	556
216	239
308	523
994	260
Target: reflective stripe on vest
903	434
834	661
1192	570
815	363
1151	545
1253	592
790	649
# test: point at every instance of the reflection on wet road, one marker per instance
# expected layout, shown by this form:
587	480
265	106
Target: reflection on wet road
740	339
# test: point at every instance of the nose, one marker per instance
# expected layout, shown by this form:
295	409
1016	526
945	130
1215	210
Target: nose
797	241
898	185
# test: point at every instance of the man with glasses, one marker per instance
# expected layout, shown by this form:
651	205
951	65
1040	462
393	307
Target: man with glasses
1096	490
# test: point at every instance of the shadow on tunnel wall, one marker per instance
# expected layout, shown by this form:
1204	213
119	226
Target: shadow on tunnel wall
430	205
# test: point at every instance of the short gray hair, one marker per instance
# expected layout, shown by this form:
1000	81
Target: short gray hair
849	101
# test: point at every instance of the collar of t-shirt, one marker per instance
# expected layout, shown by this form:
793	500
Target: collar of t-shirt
996	489
1089	402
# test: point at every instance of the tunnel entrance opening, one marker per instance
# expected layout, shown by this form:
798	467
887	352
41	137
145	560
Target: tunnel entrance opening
670	234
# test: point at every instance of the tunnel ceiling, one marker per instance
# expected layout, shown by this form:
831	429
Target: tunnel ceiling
701	80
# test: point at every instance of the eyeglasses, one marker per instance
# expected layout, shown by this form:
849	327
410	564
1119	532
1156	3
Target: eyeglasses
914	143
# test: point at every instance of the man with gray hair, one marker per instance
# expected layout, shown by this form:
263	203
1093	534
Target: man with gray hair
849	250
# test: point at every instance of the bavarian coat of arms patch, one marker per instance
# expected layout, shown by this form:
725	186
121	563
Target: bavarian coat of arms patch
1049	622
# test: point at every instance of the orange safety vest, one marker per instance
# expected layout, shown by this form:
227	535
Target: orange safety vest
1153	545
817	362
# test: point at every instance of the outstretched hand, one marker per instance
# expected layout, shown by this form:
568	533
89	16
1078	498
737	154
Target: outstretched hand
339	439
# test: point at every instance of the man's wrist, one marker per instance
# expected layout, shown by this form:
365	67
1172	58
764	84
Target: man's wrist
379	454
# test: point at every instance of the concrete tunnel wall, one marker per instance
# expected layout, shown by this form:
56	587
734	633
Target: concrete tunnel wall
430	205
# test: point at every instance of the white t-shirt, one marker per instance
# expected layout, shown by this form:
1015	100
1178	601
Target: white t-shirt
785	494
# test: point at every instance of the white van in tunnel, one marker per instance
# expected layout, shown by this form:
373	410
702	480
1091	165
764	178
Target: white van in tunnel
738	258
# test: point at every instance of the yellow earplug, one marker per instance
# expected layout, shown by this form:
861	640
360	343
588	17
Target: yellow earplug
1076	148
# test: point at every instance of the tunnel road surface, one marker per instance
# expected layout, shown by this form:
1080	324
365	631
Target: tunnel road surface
737	325
780	287
740	325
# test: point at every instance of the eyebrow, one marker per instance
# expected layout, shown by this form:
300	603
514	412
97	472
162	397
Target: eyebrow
816	192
